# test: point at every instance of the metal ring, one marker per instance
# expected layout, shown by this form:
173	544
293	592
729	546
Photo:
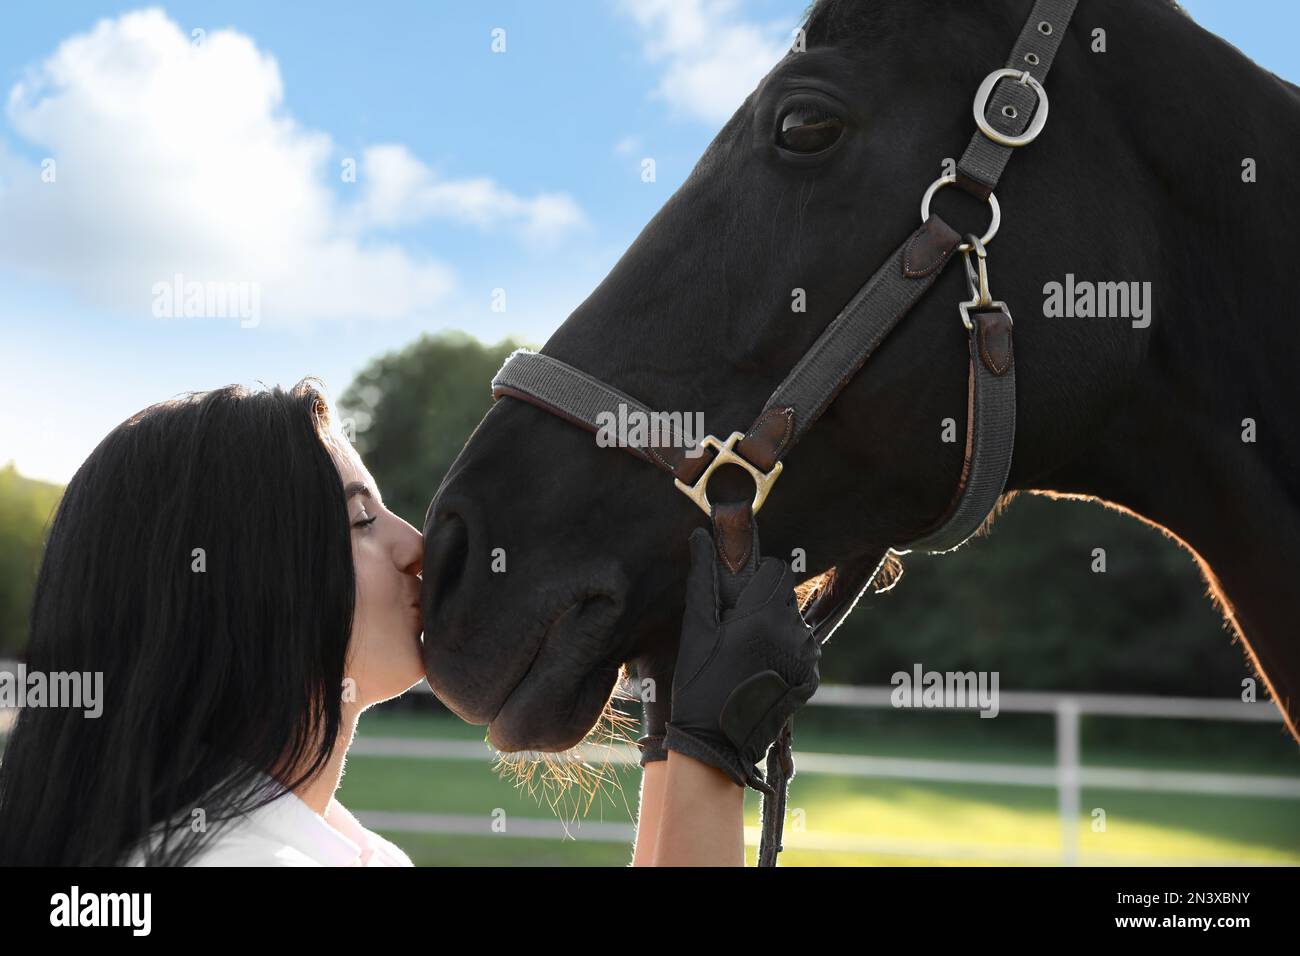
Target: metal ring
982	103
994	221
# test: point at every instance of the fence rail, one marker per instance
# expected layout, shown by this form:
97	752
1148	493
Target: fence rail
1069	776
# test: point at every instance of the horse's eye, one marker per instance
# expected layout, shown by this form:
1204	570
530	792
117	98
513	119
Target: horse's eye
806	129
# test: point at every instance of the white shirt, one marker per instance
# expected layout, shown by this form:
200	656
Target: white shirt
287	832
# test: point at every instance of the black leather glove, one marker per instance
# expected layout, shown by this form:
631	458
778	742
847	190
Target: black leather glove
741	671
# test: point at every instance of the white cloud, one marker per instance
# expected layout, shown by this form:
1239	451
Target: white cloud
712	57
399	189
173	158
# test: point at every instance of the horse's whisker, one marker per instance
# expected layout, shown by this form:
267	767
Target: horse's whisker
571	781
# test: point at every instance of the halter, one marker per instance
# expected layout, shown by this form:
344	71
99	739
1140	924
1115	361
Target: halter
1008	115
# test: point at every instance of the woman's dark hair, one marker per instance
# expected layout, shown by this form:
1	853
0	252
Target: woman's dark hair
201	560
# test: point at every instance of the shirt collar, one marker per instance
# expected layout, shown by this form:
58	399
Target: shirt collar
291	820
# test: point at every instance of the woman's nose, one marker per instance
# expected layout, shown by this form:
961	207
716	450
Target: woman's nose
408	553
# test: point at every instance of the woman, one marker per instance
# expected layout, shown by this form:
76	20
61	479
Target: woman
227	563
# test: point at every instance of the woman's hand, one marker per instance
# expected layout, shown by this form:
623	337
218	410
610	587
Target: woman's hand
741	671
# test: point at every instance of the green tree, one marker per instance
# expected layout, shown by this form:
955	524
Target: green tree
26	507
414	409
1029	600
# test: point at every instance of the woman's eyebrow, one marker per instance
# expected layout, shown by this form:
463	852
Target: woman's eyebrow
356	488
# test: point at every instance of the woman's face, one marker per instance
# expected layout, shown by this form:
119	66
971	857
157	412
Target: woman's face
384	656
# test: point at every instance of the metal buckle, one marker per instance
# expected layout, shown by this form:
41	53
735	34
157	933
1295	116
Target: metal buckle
726	455
994	305
1036	124
995	219
977	284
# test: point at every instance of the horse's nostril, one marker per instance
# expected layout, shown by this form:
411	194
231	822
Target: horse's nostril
446	549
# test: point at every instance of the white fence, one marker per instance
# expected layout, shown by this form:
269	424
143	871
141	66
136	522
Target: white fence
1068	776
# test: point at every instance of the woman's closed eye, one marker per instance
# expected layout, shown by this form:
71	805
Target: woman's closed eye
360	496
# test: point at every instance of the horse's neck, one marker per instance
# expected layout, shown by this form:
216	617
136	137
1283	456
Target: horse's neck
1222	361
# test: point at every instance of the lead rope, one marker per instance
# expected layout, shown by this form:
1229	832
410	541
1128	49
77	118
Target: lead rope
778	771
779	766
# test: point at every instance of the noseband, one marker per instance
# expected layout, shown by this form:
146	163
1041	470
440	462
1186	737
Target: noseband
1008	115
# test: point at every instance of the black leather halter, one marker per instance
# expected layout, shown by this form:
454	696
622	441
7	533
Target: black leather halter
1010	110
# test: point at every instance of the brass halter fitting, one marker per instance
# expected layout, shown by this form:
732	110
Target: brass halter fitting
726	455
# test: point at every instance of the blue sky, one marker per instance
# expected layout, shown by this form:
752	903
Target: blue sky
477	171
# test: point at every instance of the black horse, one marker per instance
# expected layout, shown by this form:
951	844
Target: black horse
1142	175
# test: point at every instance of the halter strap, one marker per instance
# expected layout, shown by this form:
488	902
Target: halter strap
980	167
585	401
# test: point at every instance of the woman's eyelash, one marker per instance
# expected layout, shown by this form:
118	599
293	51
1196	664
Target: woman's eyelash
366	521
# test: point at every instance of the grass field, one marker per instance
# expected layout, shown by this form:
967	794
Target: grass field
849	821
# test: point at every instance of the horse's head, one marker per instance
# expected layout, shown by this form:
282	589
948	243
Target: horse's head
551	560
